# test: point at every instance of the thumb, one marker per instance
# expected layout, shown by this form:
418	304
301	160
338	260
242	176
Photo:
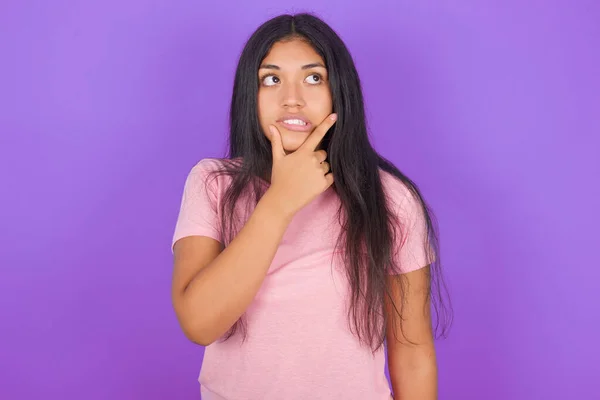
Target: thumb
276	145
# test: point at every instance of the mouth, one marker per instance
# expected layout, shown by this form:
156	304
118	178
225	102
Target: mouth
296	123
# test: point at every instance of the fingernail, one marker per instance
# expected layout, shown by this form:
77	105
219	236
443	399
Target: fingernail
333	117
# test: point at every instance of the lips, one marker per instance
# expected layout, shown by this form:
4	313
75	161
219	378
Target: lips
295	122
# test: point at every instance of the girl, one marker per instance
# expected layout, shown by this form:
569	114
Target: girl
303	251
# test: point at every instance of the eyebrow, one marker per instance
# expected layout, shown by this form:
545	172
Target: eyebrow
307	66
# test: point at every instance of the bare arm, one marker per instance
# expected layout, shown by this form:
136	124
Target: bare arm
412	366
213	287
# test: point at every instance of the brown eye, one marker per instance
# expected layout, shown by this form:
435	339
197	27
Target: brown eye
270	80
314	79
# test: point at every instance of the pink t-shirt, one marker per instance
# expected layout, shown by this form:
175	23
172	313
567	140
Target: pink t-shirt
299	345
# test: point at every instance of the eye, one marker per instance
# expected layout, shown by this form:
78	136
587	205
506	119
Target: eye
270	80
314	79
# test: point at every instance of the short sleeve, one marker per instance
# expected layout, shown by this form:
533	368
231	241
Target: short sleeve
412	247
198	213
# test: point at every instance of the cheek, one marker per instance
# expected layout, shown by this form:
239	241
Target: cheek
265	107
322	103
264	113
329	103
261	107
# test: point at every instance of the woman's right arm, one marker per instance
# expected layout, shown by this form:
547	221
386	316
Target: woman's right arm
213	287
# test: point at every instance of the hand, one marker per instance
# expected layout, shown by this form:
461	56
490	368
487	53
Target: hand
297	178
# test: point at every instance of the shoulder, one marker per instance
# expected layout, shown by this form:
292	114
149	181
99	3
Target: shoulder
207	165
205	175
403	198
397	191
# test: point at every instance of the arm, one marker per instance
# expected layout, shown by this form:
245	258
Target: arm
213	287
411	351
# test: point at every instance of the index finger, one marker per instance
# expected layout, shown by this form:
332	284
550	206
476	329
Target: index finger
313	141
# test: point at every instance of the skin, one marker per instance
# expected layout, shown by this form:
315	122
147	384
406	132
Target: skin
212	286
289	89
287	86
411	351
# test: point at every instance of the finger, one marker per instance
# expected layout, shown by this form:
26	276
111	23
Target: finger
321	155
328	180
313	141
276	145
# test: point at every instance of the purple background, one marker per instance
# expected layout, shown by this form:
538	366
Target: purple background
491	106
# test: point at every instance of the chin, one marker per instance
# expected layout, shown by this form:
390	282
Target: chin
289	149
292	145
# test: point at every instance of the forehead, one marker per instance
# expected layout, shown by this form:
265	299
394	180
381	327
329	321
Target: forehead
292	54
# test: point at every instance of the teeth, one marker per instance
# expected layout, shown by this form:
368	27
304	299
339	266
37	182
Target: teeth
294	122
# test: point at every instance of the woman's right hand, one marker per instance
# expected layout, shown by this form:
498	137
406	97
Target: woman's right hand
299	177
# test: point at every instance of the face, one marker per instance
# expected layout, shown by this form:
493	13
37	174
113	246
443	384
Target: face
294	92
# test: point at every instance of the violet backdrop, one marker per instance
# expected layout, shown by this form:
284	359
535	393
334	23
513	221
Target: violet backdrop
492	107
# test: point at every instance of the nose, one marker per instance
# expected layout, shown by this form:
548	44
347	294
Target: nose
292	95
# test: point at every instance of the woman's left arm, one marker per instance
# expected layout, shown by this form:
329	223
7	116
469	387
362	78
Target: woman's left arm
410	348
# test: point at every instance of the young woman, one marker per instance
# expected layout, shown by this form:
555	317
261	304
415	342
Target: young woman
303	252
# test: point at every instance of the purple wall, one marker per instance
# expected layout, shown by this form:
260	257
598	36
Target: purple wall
491	106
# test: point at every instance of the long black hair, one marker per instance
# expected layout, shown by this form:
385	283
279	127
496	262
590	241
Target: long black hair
370	234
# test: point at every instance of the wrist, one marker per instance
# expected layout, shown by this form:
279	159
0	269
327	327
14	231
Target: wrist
274	206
